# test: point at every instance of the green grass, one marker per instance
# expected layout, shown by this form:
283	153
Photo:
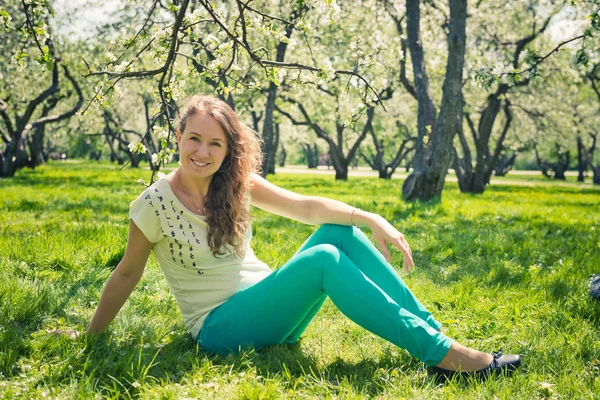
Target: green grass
506	269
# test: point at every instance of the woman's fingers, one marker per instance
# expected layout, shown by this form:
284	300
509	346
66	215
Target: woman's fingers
67	332
383	248
402	244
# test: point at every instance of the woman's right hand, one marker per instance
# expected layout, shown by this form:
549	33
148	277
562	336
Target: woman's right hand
70	333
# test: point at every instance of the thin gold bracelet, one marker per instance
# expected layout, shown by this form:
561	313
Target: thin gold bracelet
351	215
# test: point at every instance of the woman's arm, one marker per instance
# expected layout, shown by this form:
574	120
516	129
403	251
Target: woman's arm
123	279
319	210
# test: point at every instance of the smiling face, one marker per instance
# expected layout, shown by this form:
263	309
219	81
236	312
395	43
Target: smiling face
202	146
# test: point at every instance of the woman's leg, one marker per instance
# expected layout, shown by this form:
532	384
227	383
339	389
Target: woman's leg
359	249
268	312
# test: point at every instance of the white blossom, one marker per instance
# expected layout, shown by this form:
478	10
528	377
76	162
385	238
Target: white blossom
211	38
161	133
292	44
137	147
328	7
279	74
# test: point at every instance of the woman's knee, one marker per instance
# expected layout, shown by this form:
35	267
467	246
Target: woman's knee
325	254
337	231
328	260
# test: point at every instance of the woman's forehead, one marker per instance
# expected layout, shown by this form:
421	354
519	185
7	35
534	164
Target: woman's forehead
204	125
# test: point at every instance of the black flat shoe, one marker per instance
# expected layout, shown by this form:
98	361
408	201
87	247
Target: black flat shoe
500	365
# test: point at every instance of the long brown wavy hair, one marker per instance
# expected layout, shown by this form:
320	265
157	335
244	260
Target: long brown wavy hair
227	208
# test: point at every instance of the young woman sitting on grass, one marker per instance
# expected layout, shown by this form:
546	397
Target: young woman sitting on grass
196	220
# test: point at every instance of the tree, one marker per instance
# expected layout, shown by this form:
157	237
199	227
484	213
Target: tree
592	75
559	167
475	176
336	140
376	159
25	122
29	61
436	132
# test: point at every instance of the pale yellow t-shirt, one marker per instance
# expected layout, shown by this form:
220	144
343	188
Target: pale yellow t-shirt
198	280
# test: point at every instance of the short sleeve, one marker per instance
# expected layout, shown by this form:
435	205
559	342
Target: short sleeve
144	213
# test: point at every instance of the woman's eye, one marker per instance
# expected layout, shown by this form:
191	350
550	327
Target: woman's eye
217	144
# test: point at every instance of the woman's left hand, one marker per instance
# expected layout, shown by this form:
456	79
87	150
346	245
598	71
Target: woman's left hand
384	233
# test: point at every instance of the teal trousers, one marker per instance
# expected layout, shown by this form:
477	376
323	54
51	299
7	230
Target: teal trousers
339	262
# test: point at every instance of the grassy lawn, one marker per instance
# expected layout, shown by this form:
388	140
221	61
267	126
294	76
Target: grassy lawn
506	269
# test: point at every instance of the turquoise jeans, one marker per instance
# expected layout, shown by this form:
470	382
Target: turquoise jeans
339	262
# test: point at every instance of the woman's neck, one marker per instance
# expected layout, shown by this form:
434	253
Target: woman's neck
194	186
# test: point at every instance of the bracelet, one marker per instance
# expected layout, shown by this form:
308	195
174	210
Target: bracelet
351	215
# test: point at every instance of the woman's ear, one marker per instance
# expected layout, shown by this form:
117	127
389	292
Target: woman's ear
178	135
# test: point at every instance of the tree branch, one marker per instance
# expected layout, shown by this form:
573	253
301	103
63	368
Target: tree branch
5	138
24	119
528	39
370	115
6	117
592	78
471	126
308	121
500	141
31	27
265	15
402	152
467	159
542	59
68	114
398	21
170	56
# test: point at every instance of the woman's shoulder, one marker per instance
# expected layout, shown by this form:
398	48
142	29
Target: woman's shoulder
156	189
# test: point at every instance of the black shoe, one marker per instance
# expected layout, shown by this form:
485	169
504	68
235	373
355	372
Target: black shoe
499	365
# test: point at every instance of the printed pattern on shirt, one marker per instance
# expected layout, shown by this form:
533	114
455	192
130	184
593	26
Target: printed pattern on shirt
174	221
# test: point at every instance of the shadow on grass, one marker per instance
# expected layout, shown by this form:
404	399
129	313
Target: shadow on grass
98	205
510	251
545	189
72	179
117	366
425	209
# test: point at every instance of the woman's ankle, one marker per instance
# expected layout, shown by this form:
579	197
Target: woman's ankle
464	359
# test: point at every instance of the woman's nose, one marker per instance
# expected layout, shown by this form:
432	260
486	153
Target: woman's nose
202	149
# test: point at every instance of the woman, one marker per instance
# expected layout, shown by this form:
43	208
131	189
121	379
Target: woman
197	222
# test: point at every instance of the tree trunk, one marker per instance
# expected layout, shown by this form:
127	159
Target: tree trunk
484	162
385	173
36	147
268	131
282	156
114	154
312	155
339	162
504	164
36	141
269	150
275	148
558	168
341	171
434	144
581	164
596	176
10	161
